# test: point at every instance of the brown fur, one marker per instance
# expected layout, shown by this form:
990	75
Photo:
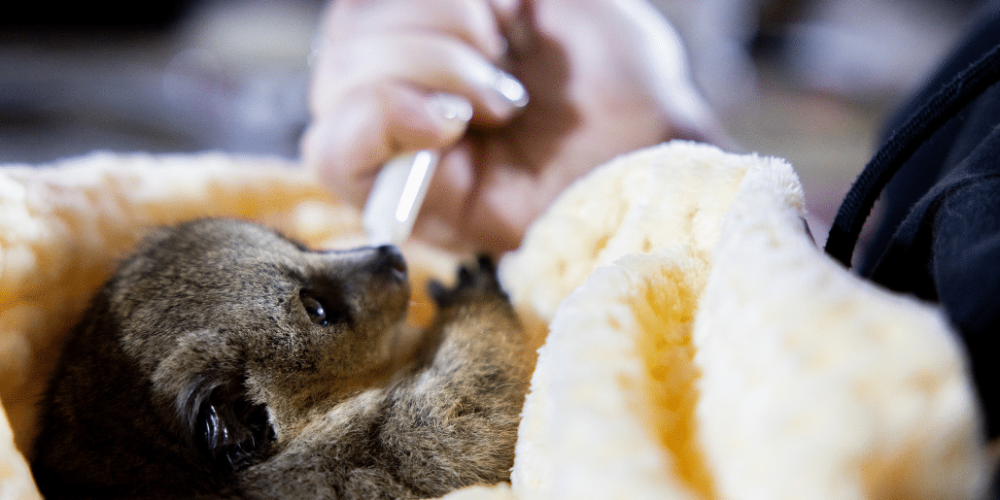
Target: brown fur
199	372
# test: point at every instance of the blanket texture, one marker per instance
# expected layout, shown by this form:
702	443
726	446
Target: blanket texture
696	344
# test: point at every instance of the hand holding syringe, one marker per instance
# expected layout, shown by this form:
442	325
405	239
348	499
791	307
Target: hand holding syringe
401	186
605	77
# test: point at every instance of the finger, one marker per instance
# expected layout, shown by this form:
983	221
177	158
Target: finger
440	219
492	220
507	198
506	11
472	208
484	196
348	147
423	60
473	22
486	215
514	21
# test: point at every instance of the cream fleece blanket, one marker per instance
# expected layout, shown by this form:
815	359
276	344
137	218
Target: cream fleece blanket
698	344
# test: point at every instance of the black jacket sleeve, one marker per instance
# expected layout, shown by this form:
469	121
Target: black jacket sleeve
939	233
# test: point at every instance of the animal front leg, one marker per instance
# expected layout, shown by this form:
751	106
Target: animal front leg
455	423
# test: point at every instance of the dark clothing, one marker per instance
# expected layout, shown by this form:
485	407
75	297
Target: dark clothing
939	235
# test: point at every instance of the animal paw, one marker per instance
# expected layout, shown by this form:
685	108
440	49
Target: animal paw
474	282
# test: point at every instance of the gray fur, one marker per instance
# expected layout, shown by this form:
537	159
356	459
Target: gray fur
199	372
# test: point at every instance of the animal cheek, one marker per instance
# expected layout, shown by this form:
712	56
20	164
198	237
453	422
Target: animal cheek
380	307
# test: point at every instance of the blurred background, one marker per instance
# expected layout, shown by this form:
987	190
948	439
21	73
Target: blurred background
807	80
167	75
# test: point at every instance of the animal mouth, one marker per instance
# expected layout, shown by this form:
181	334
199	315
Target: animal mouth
399	270
391	261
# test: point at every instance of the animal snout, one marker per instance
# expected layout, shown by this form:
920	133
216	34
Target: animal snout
384	264
389	261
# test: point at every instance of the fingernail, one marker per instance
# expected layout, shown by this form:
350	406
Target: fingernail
451	107
509	88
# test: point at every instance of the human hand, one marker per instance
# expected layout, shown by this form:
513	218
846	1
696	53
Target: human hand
604	77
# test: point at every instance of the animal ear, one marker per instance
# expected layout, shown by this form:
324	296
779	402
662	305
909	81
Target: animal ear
232	431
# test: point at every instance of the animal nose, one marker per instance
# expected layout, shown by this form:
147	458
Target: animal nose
388	259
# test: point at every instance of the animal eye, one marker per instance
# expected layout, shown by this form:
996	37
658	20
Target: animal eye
315	310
